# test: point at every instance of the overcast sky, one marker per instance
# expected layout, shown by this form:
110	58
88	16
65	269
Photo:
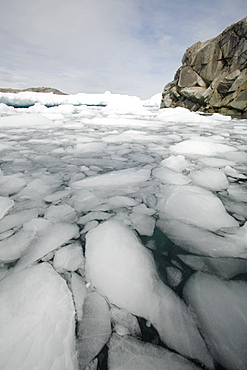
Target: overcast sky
125	46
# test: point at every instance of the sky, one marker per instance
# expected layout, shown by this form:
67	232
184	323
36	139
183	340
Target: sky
129	47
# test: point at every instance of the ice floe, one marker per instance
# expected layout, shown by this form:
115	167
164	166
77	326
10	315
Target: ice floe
152	202
220	307
37	321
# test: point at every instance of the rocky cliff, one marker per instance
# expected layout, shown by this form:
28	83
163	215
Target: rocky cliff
213	75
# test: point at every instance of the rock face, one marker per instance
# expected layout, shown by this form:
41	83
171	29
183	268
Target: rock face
213	75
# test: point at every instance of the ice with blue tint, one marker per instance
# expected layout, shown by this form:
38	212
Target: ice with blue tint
152	202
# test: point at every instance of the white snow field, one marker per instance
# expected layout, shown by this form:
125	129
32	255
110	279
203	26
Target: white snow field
123	235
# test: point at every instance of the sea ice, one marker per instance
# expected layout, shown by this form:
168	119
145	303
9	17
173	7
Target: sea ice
167	176
61	213
128	353
201	147
203	242
25	120
12	184
142	223
94	329
210	178
93	216
47	240
195	206
13	247
36	321
5	205
177	163
124	271
124	323
130	176
17	219
221	310
224	267
79	292
69	258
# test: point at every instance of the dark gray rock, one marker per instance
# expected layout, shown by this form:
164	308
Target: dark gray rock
213	75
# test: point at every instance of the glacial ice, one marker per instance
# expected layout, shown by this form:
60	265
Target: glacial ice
220	307
36	321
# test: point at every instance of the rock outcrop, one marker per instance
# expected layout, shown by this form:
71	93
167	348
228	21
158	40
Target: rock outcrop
213	75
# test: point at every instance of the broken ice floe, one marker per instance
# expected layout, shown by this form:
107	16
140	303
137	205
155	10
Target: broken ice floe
174	178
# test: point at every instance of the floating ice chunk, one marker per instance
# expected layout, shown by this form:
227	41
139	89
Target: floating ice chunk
36	225
124	271
6	234
174	276
51	238
144	224
225	267
143	209
17	219
91	147
94	329
11	184
89	226
57	196
63	212
124	323
5	205
236	208
131	176
93	216
79	291
177	163
36	321
229	171
128	353
25	120
216	162
167	176
3	272
201	241
196	206
201	147
237	192
210	178
85	200
13	247
221	309
120	201
42	186
69	258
